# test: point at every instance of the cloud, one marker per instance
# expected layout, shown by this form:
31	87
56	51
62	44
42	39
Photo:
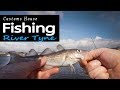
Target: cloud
45	13
21	46
98	38
85	43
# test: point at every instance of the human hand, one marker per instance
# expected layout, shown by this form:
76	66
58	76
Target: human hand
102	63
27	70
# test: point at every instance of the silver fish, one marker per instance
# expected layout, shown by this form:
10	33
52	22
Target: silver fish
64	58
61	58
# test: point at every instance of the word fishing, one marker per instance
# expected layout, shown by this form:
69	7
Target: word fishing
49	30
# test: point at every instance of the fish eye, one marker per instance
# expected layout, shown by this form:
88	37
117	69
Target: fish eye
78	50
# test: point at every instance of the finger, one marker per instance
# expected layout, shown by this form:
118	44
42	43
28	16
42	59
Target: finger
43	61
88	57
47	73
83	63
52	71
93	65
42	75
102	76
94	54
93	74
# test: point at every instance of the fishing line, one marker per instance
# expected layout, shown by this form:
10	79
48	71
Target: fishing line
74	72
93	43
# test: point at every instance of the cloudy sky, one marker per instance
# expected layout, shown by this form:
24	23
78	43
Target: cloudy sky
76	30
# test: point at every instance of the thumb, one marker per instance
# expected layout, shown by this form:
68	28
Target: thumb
35	67
91	55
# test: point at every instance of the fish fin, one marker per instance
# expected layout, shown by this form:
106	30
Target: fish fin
47	51
32	52
72	68
4	59
60	47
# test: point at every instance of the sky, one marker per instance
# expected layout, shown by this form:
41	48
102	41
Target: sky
77	28
81	24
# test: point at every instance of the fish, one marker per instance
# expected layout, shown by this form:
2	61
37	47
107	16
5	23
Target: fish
61	58
64	58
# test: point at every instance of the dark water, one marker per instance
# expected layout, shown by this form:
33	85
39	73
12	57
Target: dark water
65	73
